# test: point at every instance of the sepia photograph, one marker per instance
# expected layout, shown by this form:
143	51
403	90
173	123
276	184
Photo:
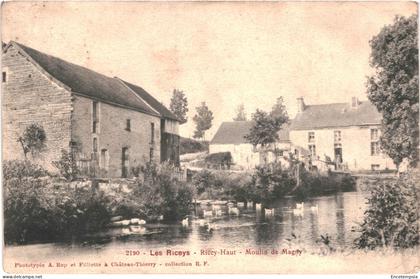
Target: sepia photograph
210	137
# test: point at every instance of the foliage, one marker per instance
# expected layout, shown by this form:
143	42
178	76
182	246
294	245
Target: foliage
240	113
19	169
394	90
279	112
203	180
267	125
271	182
33	139
220	159
391	219
179	105
203	120
315	184
265	129
156	192
192	146
267	183
36	209
222	185
67	166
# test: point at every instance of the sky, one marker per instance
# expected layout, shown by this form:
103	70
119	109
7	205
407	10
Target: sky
223	53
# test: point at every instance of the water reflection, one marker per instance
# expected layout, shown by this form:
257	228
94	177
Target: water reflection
334	215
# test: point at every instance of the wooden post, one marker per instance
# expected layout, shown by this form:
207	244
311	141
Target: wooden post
298	175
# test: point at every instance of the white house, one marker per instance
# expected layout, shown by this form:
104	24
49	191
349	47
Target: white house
348	133
230	137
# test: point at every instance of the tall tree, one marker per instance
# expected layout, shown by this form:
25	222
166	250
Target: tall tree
240	113
265	129
279	112
394	88
179	105
203	120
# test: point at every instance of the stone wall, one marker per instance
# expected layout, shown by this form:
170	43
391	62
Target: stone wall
30	96
112	135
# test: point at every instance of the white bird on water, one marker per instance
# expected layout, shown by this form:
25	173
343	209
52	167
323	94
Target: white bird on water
314	209
185	222
234	210
298	212
207	213
300	205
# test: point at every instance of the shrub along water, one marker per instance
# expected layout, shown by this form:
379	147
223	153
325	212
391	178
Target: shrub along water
155	192
391	219
267	184
38	207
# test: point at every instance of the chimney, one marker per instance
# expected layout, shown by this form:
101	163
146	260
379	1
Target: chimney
354	102
300	104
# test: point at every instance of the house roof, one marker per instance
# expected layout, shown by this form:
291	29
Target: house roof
155	104
234	132
335	115
95	85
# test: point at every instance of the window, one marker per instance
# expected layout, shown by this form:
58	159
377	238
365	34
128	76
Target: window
374	148
311	137
374	134
95	119
124	162
312	150
337	136
152	132
4	77
128	125
151	154
374	142
104	159
95	149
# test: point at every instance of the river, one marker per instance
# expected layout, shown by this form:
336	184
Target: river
336	215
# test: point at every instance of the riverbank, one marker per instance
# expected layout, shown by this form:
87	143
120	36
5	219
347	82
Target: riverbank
268	183
42	207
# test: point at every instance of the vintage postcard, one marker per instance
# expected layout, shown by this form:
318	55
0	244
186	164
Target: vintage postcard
210	137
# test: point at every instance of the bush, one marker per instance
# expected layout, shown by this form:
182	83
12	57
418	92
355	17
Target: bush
220	159
19	169
315	184
391	219
67	166
270	182
35	209
192	146
33	139
156	191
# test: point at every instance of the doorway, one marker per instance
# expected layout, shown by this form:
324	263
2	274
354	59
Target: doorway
124	162
338	153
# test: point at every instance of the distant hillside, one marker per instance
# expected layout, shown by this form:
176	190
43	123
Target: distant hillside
192	146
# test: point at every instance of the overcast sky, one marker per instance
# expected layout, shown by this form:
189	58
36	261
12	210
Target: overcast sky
221	53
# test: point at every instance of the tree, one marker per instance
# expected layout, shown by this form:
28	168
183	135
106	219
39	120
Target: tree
279	112
393	89
266	126
203	120
179	105
33	140
240	113
265	129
